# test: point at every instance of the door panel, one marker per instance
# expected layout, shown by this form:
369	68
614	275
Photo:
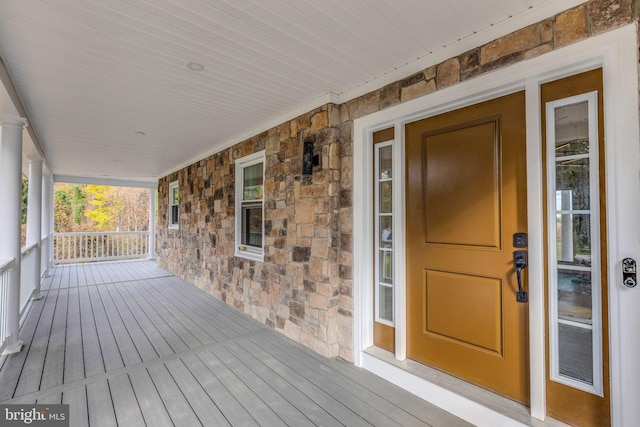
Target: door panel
466	197
475	320
461	161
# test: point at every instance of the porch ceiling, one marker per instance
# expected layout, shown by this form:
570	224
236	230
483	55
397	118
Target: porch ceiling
93	73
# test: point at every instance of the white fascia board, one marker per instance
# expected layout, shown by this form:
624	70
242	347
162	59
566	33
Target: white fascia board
106	181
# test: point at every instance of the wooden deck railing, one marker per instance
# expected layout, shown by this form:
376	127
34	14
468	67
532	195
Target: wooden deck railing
5	266
99	246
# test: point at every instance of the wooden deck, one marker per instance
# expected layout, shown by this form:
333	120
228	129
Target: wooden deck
127	344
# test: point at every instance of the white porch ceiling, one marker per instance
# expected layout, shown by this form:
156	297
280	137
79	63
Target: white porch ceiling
92	73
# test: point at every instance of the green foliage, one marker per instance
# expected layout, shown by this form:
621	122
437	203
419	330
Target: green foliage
62	209
78	202
25	193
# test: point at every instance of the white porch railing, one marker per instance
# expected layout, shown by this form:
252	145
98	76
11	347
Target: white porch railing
28	263
100	246
5	266
44	254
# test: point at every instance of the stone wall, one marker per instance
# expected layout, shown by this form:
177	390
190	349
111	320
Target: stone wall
304	287
296	288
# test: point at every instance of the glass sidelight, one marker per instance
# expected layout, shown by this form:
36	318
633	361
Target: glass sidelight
384	232
575	316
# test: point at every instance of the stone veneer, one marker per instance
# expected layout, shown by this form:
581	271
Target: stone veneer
303	287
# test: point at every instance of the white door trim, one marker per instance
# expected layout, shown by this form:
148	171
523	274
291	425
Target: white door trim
616	53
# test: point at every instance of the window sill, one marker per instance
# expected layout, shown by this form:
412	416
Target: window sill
174	227
249	255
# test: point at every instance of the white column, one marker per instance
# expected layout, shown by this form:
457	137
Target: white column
152	224
34	222
10	220
46	218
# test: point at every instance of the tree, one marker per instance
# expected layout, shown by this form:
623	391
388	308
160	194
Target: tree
101	211
25	196
94	207
79	203
62	209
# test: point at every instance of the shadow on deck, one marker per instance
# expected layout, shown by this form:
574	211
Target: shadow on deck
128	344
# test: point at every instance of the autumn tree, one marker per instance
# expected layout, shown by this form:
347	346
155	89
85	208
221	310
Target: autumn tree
103	208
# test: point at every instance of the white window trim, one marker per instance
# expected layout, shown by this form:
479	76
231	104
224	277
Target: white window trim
594	212
251	253
376	192
172	226
616	52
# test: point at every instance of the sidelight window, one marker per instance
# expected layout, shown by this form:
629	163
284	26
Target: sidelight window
575	316
384	267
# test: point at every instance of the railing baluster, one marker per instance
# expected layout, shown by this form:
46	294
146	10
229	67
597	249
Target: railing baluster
92	246
5	266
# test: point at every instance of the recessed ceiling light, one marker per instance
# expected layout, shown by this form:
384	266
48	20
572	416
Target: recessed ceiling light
140	133
194	66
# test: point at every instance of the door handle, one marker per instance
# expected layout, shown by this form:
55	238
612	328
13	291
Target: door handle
520	262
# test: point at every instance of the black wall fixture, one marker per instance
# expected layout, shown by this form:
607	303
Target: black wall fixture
307	157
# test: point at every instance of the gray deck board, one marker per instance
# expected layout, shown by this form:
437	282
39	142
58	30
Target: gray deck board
13	365
179	409
228	320
233	411
206	409
54	363
315	413
76	398
344	389
37	351
202	315
111	356
129	326
95	273
422	410
127	344
91	351
74	358
153	409
125	403
163	339
284	409
177	334
49	399
46	280
88	275
321	397
100	406
166	307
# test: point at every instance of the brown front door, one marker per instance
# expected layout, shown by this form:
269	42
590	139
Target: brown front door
466	197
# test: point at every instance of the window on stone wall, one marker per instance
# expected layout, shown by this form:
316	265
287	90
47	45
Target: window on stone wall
250	206
174	198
